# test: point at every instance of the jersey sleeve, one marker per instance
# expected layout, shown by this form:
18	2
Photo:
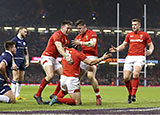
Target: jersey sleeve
127	38
148	38
81	55
56	37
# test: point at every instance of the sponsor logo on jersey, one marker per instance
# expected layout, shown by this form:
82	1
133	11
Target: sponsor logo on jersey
136	40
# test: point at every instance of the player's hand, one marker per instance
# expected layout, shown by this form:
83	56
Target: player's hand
106	56
113	49
27	64
148	52
14	67
8	80
75	43
68	59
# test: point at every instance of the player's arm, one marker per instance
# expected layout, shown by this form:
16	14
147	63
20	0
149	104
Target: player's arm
3	71
26	54
119	48
151	48
62	52
96	61
90	43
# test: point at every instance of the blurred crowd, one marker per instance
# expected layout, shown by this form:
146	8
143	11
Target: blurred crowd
106	74
46	13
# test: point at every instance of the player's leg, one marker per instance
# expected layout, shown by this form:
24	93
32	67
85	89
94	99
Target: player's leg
11	96
15	74
127	72
18	85
49	75
135	81
82	73
91	76
127	80
6	94
58	71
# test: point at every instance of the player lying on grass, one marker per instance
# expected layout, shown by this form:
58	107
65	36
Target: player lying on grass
6	94
69	81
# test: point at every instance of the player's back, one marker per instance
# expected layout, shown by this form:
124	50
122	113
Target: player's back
7	58
77	57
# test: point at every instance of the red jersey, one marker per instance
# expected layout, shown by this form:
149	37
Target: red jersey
137	43
72	70
88	51
51	49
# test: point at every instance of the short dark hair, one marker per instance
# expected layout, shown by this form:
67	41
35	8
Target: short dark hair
20	28
136	20
66	22
80	22
9	44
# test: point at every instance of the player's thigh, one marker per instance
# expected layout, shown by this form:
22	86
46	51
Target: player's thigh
49	72
15	74
82	73
11	96
59	71
136	71
21	75
127	75
76	96
91	71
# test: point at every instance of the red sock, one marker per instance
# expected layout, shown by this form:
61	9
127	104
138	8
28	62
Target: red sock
41	87
58	88
135	83
68	101
61	94
97	93
129	86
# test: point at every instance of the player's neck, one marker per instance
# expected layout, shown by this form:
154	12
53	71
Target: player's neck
137	31
19	36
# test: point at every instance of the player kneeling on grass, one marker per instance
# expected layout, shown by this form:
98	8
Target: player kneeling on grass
6	94
69	80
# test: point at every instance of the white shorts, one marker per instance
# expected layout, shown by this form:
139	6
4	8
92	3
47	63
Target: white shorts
85	66
69	84
49	60
132	61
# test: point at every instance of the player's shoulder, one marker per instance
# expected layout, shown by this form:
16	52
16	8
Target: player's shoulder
91	31
14	38
57	34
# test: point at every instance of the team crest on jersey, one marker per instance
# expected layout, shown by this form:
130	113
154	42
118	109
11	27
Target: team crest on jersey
86	37
131	36
24	43
19	42
141	35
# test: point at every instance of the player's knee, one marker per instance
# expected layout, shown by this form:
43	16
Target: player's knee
126	79
49	77
13	100
135	74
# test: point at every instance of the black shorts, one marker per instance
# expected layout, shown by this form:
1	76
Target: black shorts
20	63
4	88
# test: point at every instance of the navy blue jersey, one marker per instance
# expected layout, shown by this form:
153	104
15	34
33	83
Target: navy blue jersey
7	58
21	45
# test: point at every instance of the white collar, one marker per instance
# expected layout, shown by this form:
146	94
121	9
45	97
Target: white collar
9	52
19	37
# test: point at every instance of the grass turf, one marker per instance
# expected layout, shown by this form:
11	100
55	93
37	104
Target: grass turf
112	97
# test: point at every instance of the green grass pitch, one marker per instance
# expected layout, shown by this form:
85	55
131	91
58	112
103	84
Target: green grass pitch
112	97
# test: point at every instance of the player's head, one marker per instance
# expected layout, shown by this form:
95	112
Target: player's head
81	26
136	24
11	46
66	27
22	32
